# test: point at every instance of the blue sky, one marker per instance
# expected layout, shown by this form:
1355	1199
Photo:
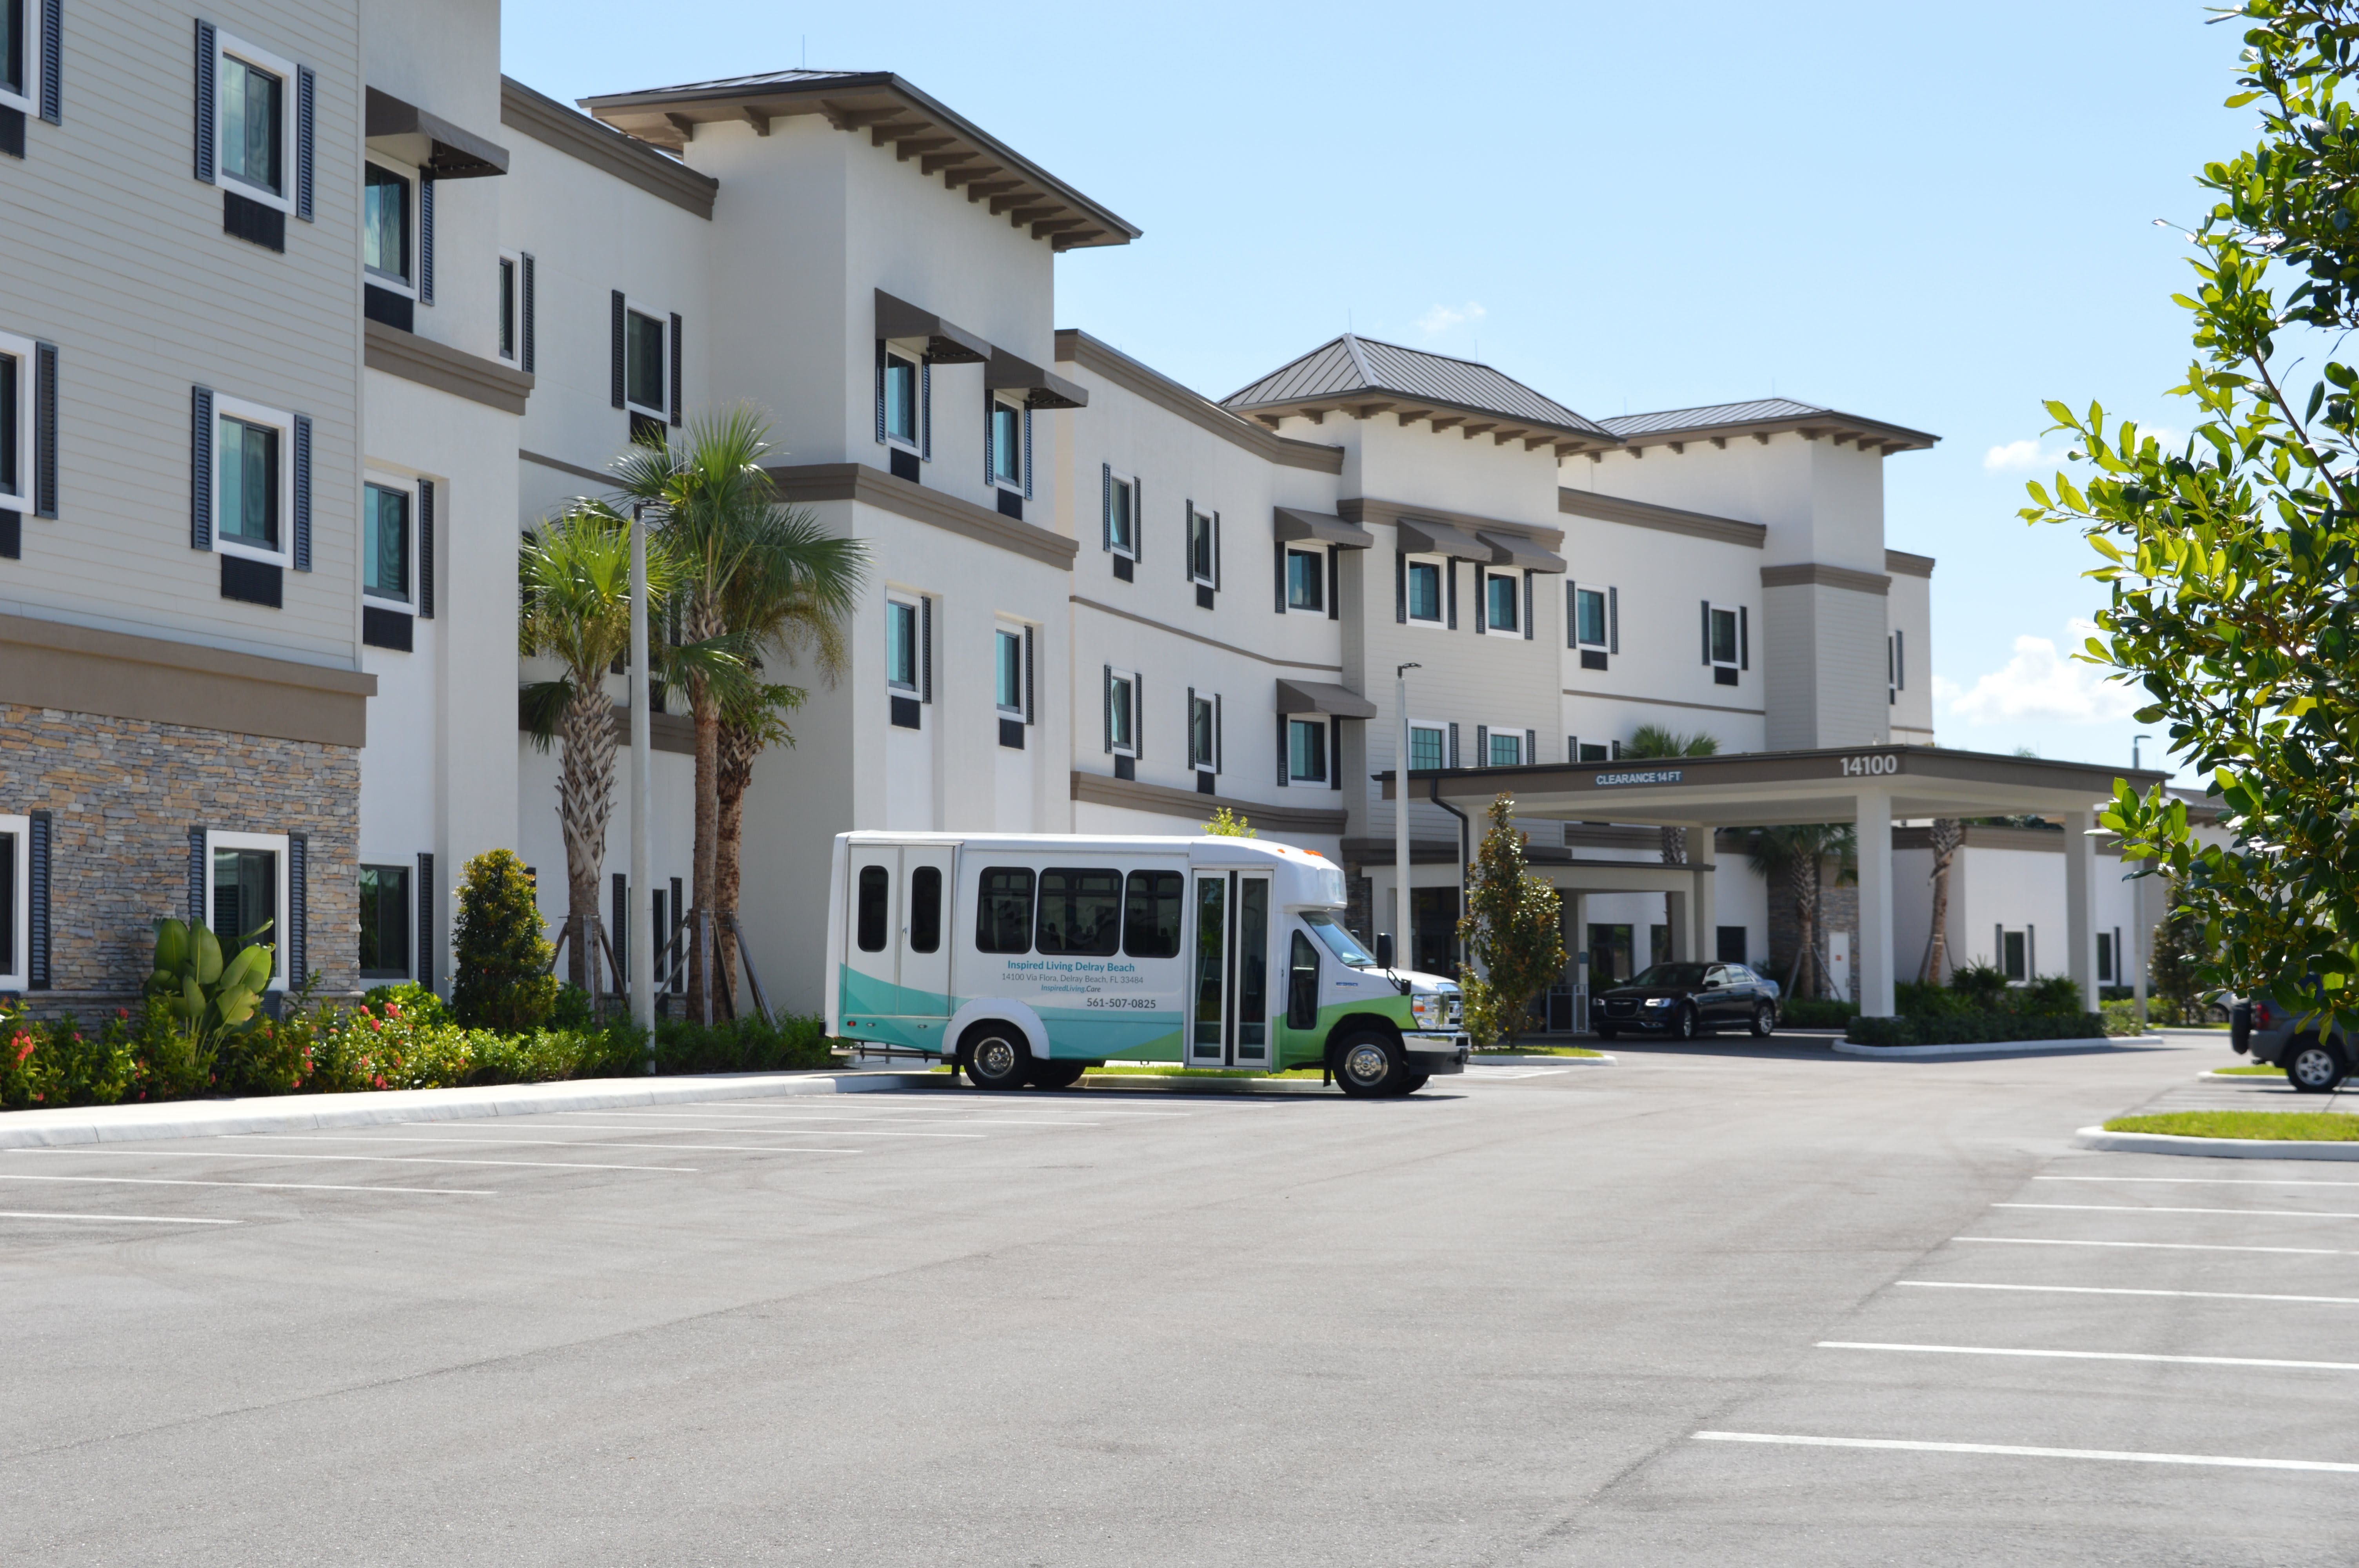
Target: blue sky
1934	215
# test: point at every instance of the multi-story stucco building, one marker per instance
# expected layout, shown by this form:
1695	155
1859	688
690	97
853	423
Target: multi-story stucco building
264	476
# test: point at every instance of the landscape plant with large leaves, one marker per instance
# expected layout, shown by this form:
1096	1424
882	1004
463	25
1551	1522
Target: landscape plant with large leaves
2232	561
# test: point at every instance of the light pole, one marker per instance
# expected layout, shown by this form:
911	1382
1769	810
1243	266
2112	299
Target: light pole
1402	956
638	910
2134	750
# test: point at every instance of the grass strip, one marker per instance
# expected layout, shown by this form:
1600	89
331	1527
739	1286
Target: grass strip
2286	1126
1538	1051
2251	1071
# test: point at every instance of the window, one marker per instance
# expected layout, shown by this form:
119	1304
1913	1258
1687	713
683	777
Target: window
15	413
901	644
1424	747
1204	733
385	542
901	401
926	909
1305	750
254	119
1502	604
2015	956
875	894
18	31
1080	913
385	227
2104	958
16	857
385	923
1122	517
1895	665
1204	551
1589	617
1306	581
1010	671
254	488
1007	446
1505	749
1576	750
248	899
643	364
1121	713
511	267
1150	922
1003	910
1338	941
1425	592
1720	636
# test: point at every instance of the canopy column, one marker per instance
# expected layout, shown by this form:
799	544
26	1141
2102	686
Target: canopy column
1875	819
1677	914
2080	904
1706	898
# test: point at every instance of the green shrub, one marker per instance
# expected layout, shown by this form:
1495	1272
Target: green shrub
1810	1013
1911	999
743	1046
2121	1018
2050	995
574	1010
500	961
1975	1029
415	1001
1983	986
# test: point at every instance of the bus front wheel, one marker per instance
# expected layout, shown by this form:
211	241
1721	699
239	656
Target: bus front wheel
1370	1066
995	1056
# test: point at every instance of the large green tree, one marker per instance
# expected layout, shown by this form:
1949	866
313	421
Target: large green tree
1510	932
2231	559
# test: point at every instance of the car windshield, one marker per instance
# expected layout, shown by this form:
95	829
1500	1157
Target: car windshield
1670	976
1339	941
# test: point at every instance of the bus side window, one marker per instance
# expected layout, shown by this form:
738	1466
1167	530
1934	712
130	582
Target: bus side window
925	908
1150	926
1303	987
1003	910
1080	912
875	885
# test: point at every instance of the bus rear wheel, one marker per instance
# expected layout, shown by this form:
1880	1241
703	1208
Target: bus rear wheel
995	1056
1057	1074
1370	1066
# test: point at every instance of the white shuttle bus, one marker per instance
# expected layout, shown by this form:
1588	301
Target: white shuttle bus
1027	960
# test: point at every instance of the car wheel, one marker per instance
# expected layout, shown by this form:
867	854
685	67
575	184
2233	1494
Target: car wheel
995	1056
1368	1066
1683	1021
1057	1074
2314	1068
1765	1019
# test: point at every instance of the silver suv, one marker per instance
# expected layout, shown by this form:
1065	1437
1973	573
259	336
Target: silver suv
2264	1030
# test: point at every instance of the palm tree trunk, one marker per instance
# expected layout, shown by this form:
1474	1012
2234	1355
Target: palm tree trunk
738	747
1947	834
1803	878
1675	845
585	804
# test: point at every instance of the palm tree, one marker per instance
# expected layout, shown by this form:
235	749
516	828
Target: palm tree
1654	740
1799	853
576	609
1948	833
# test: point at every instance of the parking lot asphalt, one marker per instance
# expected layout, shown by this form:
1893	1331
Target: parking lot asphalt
1721	1301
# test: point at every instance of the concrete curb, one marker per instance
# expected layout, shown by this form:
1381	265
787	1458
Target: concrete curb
2002	1047
283	1113
2212	1148
1603	1059
1182	1083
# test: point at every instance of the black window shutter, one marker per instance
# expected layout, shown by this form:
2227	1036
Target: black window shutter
37	880
1481	745
1528	606
302	492
880	391
1216	552
926	411
675	368
45	429
1031	710
1613	621
1028	454
1706	630
1334	585
1108	682
1190	711
1280	546
1137	518
1571	615
298	910
426	548
200	470
1744	639
197	878
1450	571
1334	753
1282	769
529	336
1531	746
1220	749
207	134
1453	743
1481	594
925	648
1105	506
1137	714
990	469
53	49
307	93
1400	587
1899	659
617	345
425	239
426	919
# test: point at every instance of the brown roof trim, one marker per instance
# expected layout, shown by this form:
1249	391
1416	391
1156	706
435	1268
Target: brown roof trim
116	675
1367	510
1666	519
450	152
562	466
1290	522
1992	836
1900	563
1322	697
1824	576
1133	794
812	483
1663	702
628	160
1200	637
444	368
1426	851
1099	358
1815	425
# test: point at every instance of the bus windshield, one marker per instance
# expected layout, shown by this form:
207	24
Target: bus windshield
1339	941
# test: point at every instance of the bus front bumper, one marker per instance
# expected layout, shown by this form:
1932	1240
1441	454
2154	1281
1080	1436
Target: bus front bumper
1437	1053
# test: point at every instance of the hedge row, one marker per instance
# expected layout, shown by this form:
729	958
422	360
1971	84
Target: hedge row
1975	1028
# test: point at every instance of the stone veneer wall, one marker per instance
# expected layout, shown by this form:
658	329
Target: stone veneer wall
1838	911
124	795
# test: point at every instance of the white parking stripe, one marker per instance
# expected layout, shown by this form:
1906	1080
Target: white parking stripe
2091	1356
799	1132
2157	1208
2206	1181
2122	1291
2165	1246
124	1218
374	1158
2119	1456
531	1142
283	1187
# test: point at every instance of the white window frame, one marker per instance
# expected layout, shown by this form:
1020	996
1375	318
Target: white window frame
29	12
1130	550
1212	701
407	485
1317	557
1013	486
1014	631
1211	521
1441	622
413	256
915	605
1605	598
1515	582
633	306
277	843
1441	732
19	895
225	45
284	423
512	296
1129	680
27	459
1736	618
915	444
1495	733
1326	750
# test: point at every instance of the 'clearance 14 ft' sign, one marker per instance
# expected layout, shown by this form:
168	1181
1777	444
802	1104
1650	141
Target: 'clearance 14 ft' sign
1867	764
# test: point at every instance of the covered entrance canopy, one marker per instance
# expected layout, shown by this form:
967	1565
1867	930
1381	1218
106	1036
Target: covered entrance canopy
1873	786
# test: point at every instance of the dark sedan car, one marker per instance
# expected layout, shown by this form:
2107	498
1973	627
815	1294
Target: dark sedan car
1684	1001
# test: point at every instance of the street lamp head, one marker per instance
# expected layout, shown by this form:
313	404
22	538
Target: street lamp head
1400	670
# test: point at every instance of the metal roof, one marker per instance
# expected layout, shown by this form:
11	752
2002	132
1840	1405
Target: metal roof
894	113
1762	415
1338	373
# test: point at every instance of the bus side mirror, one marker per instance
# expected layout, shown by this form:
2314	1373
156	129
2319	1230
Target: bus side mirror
1383	949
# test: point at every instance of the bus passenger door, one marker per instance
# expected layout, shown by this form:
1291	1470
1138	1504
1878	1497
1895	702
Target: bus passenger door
871	977
923	940
1229	990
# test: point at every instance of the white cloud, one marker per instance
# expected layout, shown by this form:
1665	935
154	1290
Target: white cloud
1441	318
2039	683
2020	455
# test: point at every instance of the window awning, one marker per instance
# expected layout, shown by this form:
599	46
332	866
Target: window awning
440	148
946	343
1322	697
1296	524
1041	388
1513	550
1419	537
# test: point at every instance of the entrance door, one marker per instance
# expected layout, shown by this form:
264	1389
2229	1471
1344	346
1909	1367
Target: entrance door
1839	963
1228	1002
928	875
